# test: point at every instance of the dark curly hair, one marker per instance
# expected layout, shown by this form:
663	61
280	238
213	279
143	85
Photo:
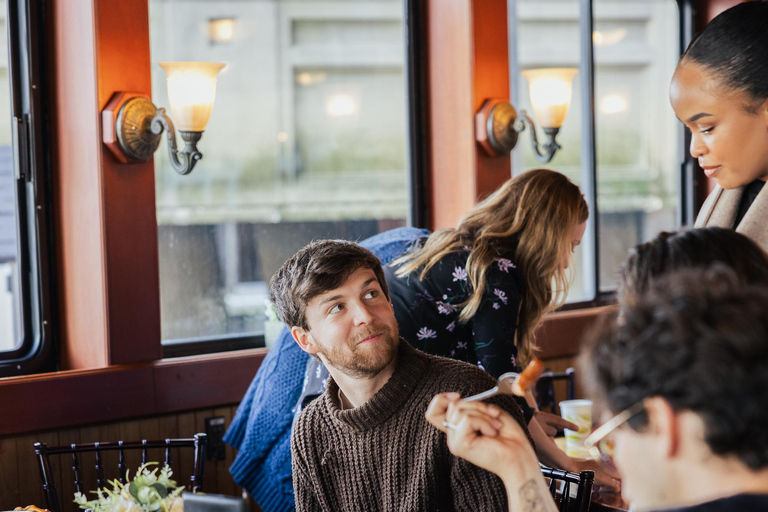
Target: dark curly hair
734	45
321	266
698	339
690	248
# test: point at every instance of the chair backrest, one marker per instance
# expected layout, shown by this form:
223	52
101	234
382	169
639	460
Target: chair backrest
545	388
43	453
583	482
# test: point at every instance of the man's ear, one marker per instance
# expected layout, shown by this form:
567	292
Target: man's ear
664	424
304	339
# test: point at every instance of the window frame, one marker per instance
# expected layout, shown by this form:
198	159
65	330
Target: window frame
104	351
417	161
594	296
29	86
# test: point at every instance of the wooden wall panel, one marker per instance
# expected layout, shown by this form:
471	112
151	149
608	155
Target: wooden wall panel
105	211
490	77
9	473
46	401
20	476
186	427
561	333
130	224
77	188
468	63
452	187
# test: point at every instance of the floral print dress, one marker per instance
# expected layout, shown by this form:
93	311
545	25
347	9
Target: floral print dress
427	312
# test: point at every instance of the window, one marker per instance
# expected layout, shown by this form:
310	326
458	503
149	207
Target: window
307	140
25	344
635	163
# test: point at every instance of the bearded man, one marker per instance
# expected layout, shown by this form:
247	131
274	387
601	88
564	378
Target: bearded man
364	444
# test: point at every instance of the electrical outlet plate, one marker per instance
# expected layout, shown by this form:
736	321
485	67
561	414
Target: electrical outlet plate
215	428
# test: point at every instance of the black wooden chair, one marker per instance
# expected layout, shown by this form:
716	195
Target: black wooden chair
43	452
544	391
583	482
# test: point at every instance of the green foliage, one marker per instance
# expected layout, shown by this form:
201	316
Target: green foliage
147	492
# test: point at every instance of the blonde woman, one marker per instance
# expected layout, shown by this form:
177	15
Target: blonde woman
478	292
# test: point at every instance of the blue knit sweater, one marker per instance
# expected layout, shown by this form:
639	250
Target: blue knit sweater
261	429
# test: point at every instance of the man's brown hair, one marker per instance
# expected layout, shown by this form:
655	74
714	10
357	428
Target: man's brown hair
321	266
698	340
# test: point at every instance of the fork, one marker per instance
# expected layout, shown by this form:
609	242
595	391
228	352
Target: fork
503	386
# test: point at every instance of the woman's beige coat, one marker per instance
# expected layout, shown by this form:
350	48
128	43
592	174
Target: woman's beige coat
721	207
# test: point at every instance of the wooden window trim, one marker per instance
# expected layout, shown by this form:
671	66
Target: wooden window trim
106	230
78	397
468	63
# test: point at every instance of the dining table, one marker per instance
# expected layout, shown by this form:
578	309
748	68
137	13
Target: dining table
603	499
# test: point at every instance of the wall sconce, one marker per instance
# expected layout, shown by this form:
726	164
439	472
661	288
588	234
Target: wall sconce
497	124
132	125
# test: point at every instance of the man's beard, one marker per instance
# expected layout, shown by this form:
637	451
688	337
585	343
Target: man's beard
359	362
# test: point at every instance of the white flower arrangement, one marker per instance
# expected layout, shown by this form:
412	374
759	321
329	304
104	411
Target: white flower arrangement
147	492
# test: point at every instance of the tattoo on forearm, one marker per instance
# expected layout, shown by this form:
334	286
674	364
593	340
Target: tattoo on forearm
531	497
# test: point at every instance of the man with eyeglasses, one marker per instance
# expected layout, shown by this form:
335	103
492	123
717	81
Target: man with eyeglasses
682	378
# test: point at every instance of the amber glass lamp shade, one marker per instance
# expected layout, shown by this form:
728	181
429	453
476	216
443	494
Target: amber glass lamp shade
191	91
551	91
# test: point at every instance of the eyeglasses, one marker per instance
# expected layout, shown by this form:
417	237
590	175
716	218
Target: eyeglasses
600	442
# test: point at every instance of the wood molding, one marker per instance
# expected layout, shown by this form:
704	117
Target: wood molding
205	381
128	193
490	76
77	188
105	210
562	333
468	62
80	397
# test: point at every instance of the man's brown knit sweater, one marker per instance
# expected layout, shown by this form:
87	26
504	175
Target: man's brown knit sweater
384	455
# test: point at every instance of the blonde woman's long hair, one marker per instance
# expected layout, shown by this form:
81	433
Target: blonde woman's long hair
530	217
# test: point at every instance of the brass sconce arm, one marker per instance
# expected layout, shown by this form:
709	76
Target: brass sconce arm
133	126
497	127
182	161
549	148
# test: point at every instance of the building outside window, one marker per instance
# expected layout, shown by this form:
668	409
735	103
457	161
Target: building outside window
637	137
307	140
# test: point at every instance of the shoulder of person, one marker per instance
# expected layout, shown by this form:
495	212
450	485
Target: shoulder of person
452	375
449	375
311	417
504	271
706	208
455	258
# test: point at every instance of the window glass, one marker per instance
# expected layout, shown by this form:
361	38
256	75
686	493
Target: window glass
540	40
636	47
638	138
307	140
10	332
